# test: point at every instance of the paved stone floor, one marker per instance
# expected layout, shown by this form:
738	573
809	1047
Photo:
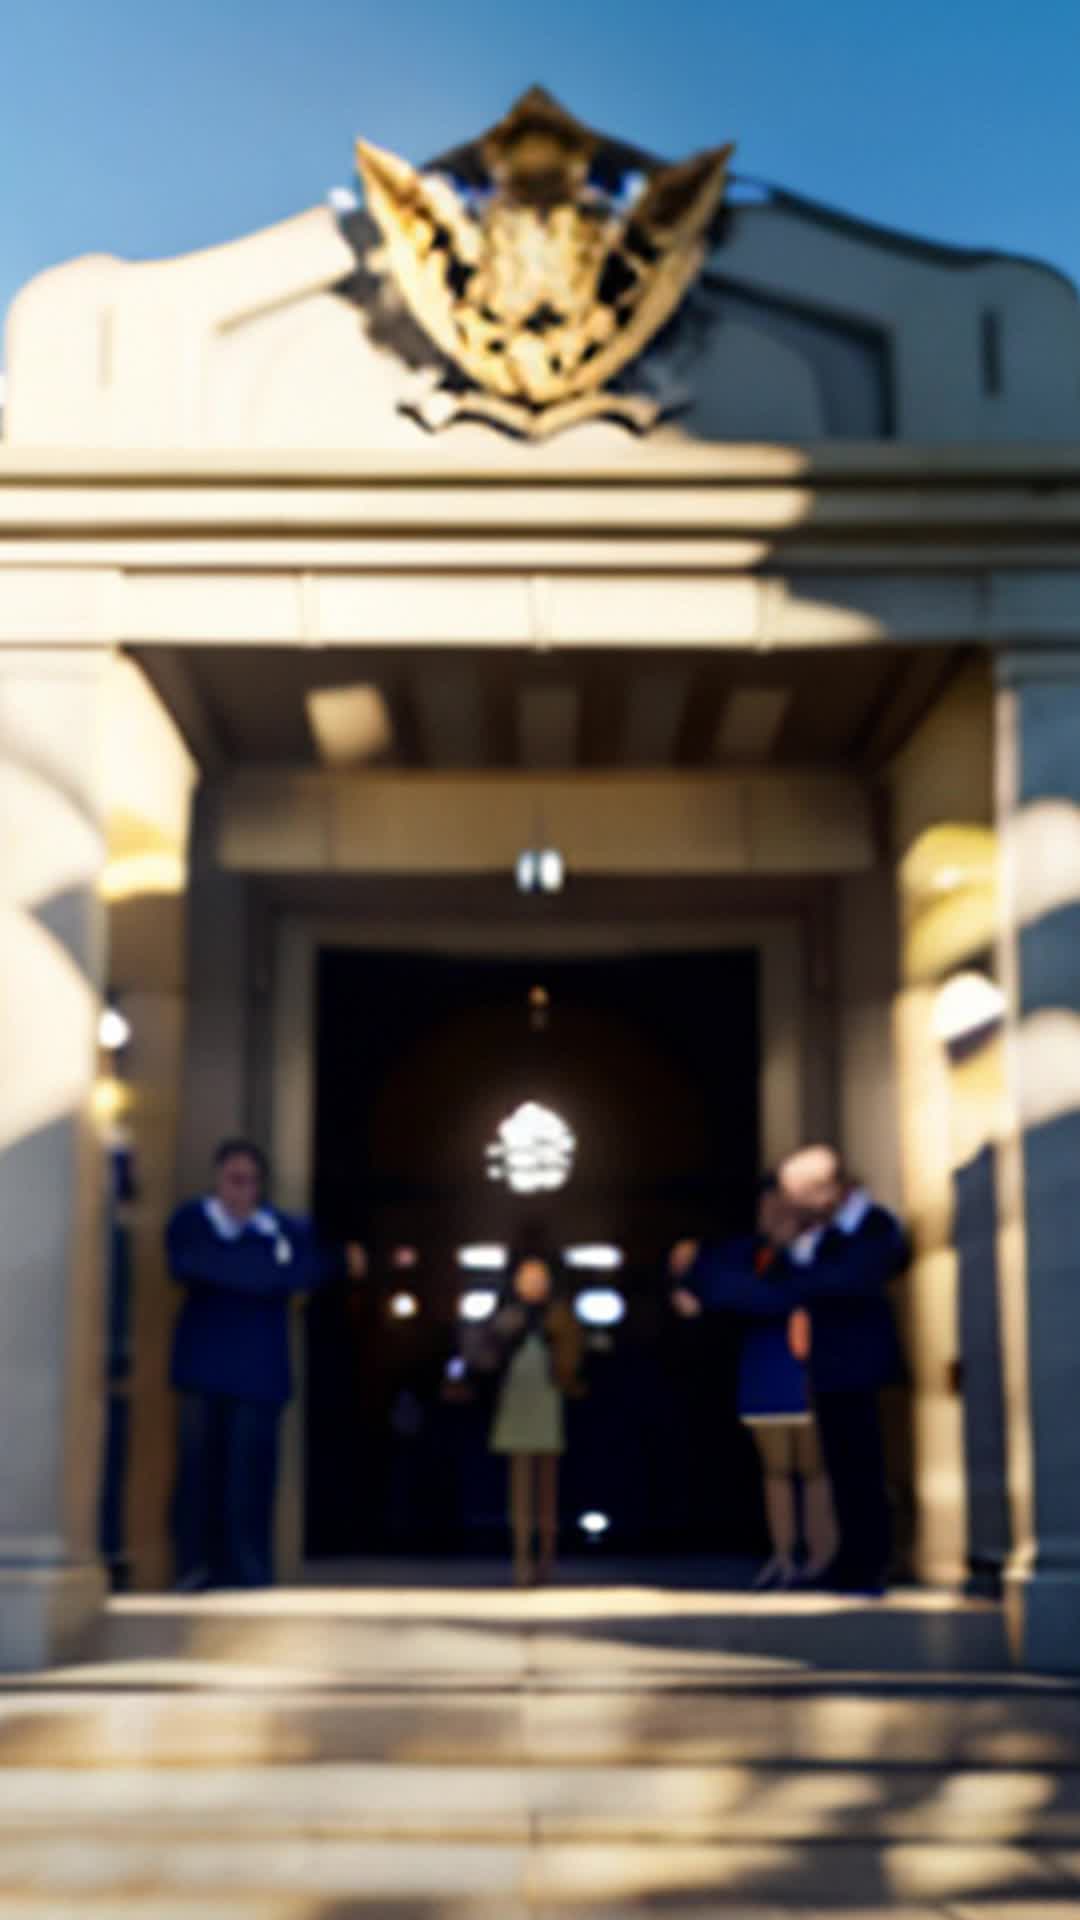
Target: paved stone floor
381	1741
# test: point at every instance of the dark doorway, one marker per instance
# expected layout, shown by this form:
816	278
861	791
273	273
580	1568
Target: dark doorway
653	1061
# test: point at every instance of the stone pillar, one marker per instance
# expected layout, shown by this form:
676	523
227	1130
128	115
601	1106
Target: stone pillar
941	789
1038	799
149	777
51	1170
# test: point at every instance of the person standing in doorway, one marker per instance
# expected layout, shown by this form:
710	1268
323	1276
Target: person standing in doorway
534	1345
773	1389
239	1261
841	1267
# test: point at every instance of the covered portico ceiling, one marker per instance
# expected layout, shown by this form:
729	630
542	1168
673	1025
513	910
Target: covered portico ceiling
493	708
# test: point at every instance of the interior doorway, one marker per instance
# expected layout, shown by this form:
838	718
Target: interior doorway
653	1061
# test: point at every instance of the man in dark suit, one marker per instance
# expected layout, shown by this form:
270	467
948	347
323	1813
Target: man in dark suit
841	1268
239	1262
830	1282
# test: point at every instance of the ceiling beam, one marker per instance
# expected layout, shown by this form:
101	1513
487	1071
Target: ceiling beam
905	699
274	820
549	724
656	702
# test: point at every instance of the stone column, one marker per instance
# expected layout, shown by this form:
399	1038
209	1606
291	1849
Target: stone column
149	779
941	786
51	1172
1038	800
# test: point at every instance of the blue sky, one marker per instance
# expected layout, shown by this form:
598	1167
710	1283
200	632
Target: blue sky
145	130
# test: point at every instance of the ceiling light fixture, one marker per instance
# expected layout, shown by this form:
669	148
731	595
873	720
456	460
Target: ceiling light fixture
114	1031
600	1257
404	1306
533	1150
595	1525
540	870
600	1307
483	1257
477	1305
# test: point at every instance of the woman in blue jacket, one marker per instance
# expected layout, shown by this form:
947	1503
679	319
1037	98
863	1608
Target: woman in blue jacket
773	1388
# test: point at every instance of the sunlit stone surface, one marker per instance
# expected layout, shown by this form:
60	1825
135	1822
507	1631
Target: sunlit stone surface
417	1748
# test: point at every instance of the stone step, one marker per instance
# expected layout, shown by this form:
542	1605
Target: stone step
313	1805
297	1878
497	1638
124	1904
808	1719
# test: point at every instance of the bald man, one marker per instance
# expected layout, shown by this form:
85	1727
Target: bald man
842	1266
830	1283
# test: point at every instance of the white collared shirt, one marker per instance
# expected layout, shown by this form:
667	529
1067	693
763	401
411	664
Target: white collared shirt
263	1220
848	1218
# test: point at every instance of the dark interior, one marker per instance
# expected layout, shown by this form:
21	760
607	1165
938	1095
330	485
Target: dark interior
653	1062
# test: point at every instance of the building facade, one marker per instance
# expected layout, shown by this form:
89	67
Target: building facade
737	539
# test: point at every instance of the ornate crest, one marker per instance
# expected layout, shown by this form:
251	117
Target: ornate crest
542	260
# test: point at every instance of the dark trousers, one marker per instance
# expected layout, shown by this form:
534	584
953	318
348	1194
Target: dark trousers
223	1510
850	1427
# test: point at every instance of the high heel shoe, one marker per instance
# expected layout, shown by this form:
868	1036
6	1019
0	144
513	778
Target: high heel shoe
777	1573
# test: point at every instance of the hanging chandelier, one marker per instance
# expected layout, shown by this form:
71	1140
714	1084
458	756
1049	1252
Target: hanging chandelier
533	1150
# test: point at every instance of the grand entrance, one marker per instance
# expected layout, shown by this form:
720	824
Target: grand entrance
652	1062
864	876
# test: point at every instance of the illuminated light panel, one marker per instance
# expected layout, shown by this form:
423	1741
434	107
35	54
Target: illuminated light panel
483	1257
404	1306
478	1304
600	1307
599	1258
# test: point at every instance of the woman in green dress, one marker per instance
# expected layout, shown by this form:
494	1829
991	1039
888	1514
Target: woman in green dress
534	1344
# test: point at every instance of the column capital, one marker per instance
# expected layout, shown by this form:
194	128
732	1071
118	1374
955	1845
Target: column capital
1037	665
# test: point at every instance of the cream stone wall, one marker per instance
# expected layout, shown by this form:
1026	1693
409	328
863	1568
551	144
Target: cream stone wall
253	344
930	304
274	821
942	812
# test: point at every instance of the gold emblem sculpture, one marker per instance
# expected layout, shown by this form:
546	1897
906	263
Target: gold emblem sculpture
543	286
